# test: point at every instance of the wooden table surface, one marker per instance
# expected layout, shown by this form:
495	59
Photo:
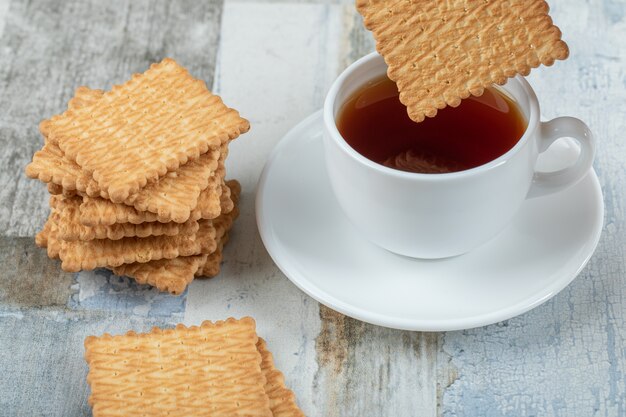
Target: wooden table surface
274	61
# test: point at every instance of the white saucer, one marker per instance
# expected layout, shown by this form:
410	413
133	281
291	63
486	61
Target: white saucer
313	243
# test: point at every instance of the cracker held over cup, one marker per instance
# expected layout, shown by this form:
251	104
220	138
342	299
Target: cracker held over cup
440	52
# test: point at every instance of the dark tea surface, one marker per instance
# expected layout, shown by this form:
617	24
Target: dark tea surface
479	130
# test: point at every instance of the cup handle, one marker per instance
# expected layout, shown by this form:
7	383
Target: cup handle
545	183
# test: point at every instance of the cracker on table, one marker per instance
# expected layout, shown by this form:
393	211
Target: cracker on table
212	369
172	197
212	264
46	238
67	219
83	96
282	399
41	238
176	194
49	164
98	211
140	130
231	193
87	255
439	52
170	275
174	275
56	189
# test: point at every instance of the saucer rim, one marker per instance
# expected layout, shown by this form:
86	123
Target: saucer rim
327	299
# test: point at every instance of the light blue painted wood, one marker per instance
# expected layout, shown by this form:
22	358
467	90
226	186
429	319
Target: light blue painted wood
567	357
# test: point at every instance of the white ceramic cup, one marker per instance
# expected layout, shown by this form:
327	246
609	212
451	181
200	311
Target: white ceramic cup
441	215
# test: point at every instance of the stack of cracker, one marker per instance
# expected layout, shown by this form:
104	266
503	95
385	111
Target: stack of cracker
216	369
137	179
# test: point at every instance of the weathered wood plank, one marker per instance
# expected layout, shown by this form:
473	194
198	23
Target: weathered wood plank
29	278
49	48
275	72
566	357
372	371
336	365
4	6
101	290
358	41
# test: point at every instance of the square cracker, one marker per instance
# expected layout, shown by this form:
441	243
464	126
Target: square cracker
138	131
67	218
97	211
46	238
207	370
282	399
168	275
49	164
173	275
56	189
87	255
173	196
41	238
212	265
178	202
439	52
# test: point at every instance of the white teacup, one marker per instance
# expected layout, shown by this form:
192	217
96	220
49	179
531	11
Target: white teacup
442	215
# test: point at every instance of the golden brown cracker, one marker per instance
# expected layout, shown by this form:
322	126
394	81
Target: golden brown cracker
439	52
49	164
140	130
173	275
212	264
282	399
46	238
176	194
212	369
101	212
98	211
231	195
56	189
83	96
95	211
54	245
41	238
69	227
211	204
87	255
223	224
173	196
